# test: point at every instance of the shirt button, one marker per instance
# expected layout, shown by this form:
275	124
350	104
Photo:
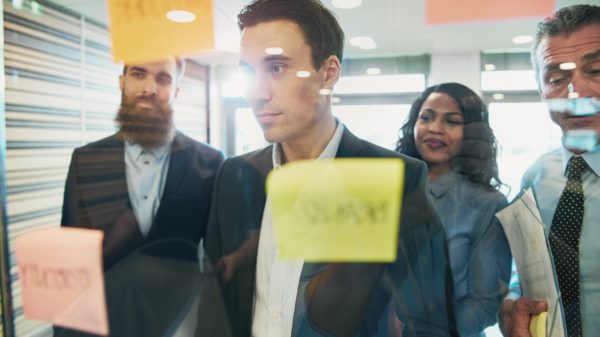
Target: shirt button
147	162
145	197
274	315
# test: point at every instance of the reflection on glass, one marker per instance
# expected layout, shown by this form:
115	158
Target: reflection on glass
582	140
303	74
274	51
585	106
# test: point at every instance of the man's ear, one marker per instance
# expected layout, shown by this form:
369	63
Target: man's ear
332	70
121	82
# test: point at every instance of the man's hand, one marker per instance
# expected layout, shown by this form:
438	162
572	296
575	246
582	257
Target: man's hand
516	315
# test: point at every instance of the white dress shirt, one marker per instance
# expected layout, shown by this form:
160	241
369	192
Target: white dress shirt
146	172
276	280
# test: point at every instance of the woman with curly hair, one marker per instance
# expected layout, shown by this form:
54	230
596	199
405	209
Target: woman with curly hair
448	128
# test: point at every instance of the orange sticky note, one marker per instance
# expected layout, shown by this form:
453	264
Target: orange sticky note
144	30
452	11
60	270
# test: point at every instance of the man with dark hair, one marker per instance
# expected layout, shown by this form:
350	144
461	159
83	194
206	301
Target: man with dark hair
565	182
148	181
291	51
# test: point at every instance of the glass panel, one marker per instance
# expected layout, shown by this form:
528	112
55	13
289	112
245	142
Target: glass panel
520	145
378	124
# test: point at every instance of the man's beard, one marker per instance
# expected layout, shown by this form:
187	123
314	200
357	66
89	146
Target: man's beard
148	127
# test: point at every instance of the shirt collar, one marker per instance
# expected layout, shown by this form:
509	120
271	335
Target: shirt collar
441	185
592	158
135	150
328	153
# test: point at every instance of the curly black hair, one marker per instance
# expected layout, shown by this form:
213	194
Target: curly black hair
477	157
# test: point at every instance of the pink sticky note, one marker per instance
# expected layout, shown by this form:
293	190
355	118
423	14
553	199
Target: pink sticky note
444	11
60	270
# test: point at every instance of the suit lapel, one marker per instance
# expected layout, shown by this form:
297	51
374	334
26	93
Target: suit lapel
350	145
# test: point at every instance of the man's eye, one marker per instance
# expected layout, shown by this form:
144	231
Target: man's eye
164	80
557	78
276	68
594	72
554	81
137	74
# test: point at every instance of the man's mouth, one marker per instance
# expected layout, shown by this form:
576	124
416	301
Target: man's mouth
145	103
267	117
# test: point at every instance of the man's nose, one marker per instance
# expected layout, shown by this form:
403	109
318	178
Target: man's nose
149	87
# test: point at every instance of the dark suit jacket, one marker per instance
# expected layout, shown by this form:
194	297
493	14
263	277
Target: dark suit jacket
347	298
96	195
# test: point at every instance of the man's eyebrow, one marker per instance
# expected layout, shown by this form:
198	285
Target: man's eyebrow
274	58
553	67
592	56
135	68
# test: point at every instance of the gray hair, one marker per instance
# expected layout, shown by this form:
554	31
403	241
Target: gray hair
565	21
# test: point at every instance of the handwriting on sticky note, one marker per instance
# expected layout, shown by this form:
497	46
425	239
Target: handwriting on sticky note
141	31
537	325
337	210
60	271
54	278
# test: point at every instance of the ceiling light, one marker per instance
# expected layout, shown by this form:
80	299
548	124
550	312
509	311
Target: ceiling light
567	66
346	4
36	8
336	100
522	39
18	4
573	95
498	97
373	71
274	51
368	46
325	92
361	40
181	16
490	67
303	74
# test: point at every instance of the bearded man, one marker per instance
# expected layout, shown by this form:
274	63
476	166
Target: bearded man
147	182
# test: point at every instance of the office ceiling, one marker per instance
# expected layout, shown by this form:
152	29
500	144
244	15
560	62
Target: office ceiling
397	26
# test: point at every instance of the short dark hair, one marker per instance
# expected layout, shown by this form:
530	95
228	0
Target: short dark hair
179	64
477	156
565	21
320	27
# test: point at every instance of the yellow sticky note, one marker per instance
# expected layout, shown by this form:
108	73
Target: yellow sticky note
142	32
537	325
60	270
339	210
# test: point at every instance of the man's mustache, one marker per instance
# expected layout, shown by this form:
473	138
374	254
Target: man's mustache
153	101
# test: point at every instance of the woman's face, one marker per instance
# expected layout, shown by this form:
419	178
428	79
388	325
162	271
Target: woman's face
439	131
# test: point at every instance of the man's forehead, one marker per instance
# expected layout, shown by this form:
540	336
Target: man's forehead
574	46
167	65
